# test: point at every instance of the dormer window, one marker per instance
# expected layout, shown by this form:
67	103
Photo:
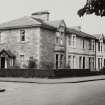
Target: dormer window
22	35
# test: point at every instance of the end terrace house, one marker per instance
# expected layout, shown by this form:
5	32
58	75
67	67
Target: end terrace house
32	36
51	43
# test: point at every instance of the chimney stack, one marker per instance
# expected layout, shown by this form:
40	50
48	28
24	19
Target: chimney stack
43	15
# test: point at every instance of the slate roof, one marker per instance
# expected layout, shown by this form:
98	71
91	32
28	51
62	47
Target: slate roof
8	52
80	33
98	36
29	21
26	21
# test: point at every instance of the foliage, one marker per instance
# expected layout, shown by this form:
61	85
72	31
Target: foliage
32	63
93	6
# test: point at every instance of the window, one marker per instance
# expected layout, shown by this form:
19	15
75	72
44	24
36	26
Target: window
100	45
89	62
104	47
62	38
69	61
73	61
57	60
0	36
83	62
98	63
74	41
93	45
101	62
69	39
11	62
104	62
61	61
83	43
93	62
22	35
57	40
22	58
61	42
80	62
89	44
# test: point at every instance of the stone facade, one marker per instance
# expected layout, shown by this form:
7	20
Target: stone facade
47	44
51	43
100	53
78	52
29	47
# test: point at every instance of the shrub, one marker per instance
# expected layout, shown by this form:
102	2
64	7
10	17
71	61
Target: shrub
32	63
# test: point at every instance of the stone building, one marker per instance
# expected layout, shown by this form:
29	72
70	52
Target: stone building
51	43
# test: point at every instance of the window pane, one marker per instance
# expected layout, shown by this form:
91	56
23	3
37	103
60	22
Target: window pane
57	62
22	58
69	61
22	35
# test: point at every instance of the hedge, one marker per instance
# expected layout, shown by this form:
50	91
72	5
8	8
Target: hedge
54	73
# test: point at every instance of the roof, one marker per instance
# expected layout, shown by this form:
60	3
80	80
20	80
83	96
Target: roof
98	36
26	21
7	52
29	21
80	33
76	28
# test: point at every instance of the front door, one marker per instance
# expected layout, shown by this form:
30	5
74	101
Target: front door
2	62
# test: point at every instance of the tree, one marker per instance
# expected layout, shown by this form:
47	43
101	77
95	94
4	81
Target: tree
96	7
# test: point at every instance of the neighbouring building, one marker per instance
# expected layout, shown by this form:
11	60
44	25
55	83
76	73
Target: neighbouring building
51	43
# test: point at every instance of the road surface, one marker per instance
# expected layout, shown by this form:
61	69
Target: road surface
87	93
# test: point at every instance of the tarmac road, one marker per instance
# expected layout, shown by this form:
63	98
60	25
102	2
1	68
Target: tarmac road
85	93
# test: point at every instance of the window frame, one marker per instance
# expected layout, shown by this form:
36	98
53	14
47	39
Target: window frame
22	57
22	35
83	43
74	40
69	61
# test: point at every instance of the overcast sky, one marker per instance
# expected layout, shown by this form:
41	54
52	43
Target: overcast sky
59	9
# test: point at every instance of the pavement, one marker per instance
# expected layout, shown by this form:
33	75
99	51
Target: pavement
53	81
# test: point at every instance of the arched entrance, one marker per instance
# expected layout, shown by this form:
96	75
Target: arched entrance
6	59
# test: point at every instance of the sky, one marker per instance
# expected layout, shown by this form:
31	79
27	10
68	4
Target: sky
59	9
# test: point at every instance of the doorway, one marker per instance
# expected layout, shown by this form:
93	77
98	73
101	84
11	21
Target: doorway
2	62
